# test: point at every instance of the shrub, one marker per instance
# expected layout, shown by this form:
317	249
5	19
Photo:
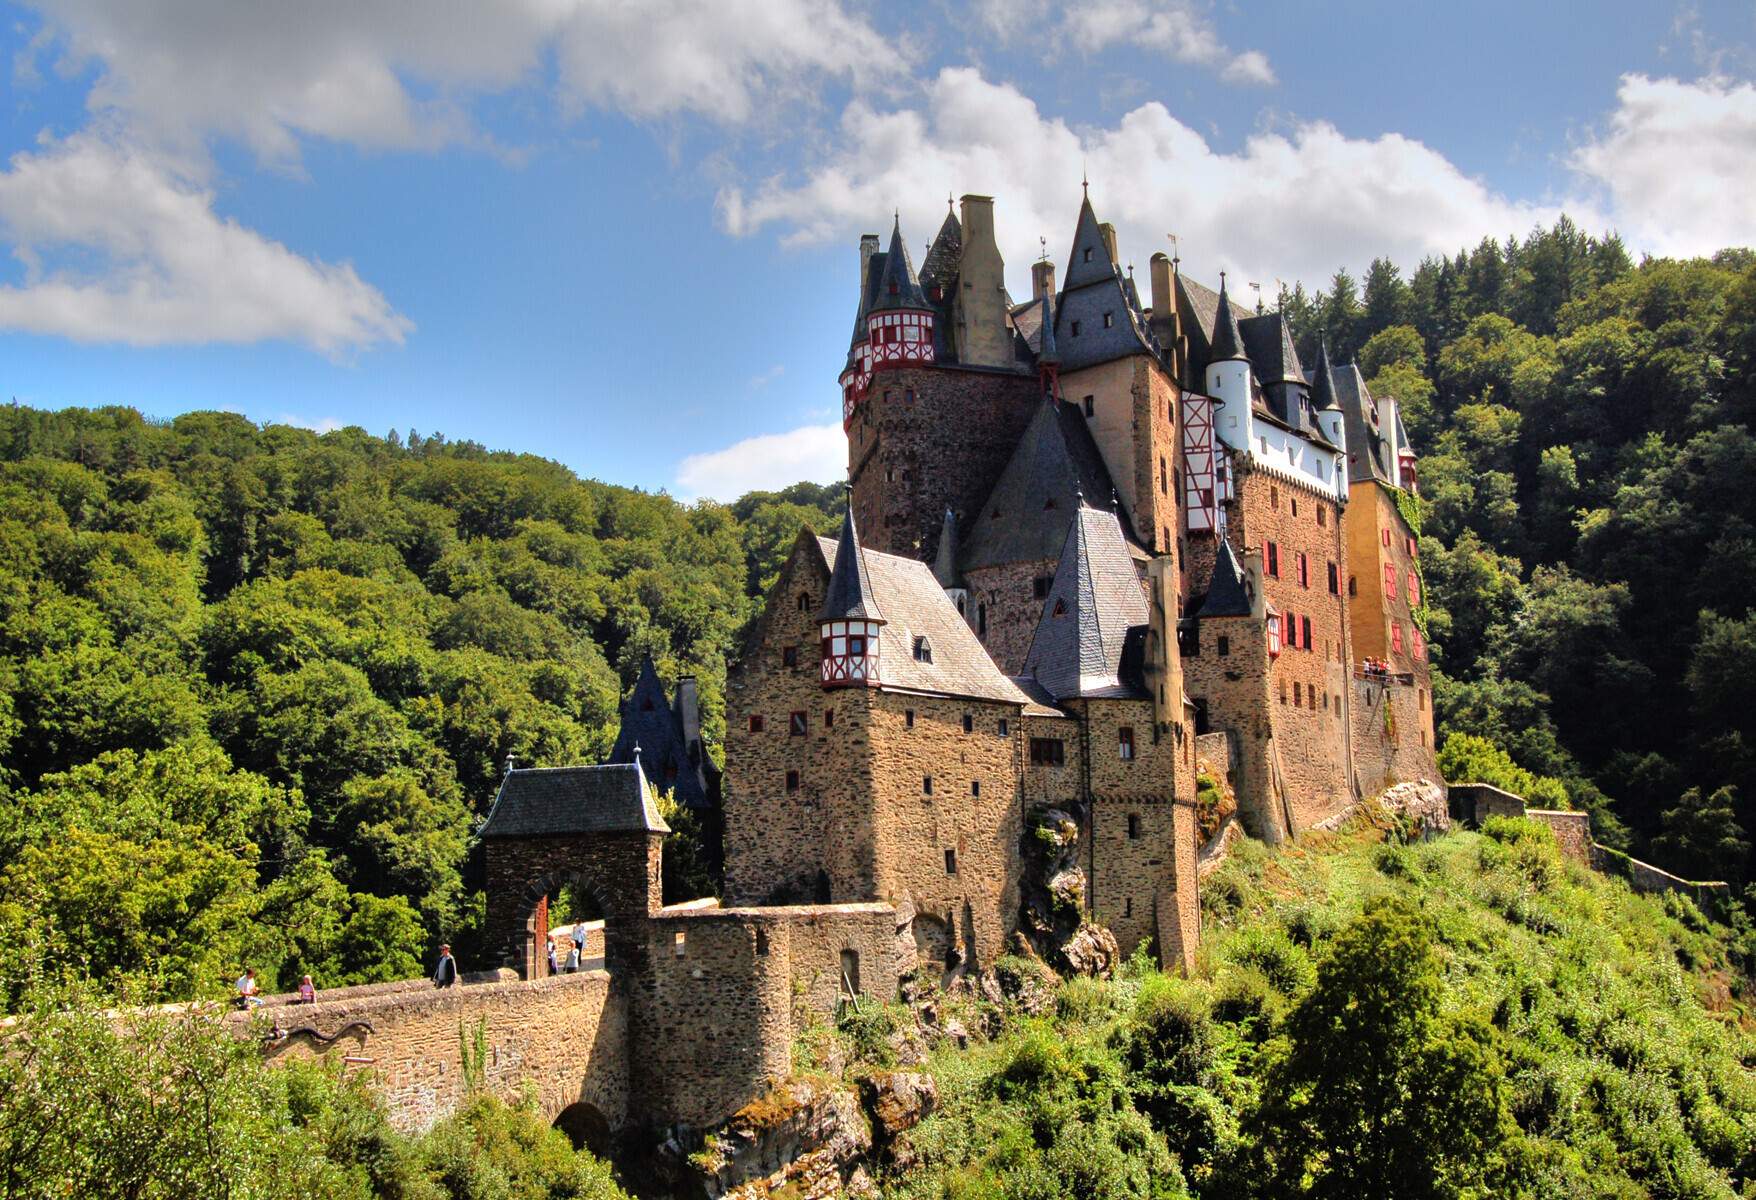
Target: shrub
1268	949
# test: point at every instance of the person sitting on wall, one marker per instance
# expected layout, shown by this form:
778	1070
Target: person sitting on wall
307	991
445	974
249	995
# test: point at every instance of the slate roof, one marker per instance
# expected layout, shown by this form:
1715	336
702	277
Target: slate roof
849	596
1026	516
945	556
1096	598
1225	592
898	286
669	736
1269	344
551	801
1045	347
940	265
1365	447
916	606
1227	341
1323	382
1402	433
1092	290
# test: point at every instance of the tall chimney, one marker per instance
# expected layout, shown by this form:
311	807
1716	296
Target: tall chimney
1042	280
983	335
868	247
1166	321
1109	232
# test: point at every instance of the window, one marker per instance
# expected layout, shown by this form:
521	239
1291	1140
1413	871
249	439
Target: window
1125	743
1109	320
1305	632
1396	636
1274	498
678	942
1087	257
1297	701
798	725
926	785
923	650
761	941
1414	589
908	718
789	656
1322	519
1089	405
1384	536
1133	827
756	723
1295	505
1005	728
1060	608
981	620
1353	586
1164	480
908	395
1419	644
1290	632
829	718
1076	323
804	601
1039	587
1273	552
975	787
1047	752
1389	580
969	723
792	781
1334	580
1304	571
1224	647
1128	906
950	861
1414	549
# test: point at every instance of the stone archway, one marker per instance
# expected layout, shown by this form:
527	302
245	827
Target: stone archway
587	1128
531	959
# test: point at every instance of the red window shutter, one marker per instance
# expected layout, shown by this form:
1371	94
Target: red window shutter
1384	536
1390	579
1396	636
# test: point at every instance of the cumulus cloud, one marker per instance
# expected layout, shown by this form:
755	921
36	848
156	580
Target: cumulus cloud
1294	204
768	462
1182	30
117	246
1676	163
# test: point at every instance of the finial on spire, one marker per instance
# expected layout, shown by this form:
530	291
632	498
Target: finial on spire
637	754
1115	500
1084	179
950	206
1044	256
1222	281
510	762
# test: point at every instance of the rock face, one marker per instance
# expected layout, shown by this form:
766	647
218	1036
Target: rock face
1054	899
1422	803
805	1136
897	1101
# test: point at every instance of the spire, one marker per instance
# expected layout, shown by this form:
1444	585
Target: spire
945	559
1091	261
1227	341
1323	381
1094	600
939	267
1225	592
850	594
898	287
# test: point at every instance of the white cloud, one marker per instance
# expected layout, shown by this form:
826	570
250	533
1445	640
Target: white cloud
1182	30
768	461
117	246
763	378
1677	162
320	425
1294	205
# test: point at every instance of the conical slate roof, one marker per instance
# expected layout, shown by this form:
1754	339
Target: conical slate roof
1268	340
945	558
850	595
940	265
1228	342
668	736
1083	269
1225	594
898	287
1323	382
1095	599
1047	352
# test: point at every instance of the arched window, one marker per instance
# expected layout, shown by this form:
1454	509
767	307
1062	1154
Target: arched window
804	601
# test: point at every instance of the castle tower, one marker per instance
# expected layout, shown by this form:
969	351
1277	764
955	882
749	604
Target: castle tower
849	619
1228	374
899	321
1326	412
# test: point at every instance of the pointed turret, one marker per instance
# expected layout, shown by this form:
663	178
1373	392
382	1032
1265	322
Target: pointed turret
945	558
1228	342
1226	596
1091	261
939	268
1327	414
1323	382
1094	601
898	286
899	318
849	620
1048	355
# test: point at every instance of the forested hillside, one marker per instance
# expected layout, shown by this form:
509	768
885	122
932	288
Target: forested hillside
257	684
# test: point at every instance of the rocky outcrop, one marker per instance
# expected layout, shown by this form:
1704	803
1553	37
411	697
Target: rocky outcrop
806	1136
1422	804
1054	899
897	1101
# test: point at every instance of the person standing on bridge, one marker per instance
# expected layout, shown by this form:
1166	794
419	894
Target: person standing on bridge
579	942
573	959
554	967
445	974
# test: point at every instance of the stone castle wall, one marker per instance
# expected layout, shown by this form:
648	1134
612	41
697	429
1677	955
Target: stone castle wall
1392	750
1134	423
565	1036
931	438
1235	687
1004	602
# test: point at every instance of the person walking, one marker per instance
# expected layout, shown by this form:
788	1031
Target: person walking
445	974
307	991
553	968
579	939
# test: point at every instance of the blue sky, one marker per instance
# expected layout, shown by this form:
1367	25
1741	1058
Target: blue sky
622	234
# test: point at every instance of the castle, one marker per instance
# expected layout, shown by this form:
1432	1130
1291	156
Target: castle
1090	545
1083	532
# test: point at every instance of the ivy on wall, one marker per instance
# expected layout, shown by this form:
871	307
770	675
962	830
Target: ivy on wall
1408	507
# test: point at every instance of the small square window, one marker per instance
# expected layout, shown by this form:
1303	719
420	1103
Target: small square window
829	718
923	650
1109	320
1133	826
1090	405
792	781
950	862
969	723
1039	587
975	787
798	724
789	656
1005	729
908	718
678	943
756	724
926	785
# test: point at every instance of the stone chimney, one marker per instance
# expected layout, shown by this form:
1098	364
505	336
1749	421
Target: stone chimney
983	336
868	247
1167	324
1042	280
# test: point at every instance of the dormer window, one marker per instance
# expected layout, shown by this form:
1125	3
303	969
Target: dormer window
1109	320
1060	608
923	650
1076	324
